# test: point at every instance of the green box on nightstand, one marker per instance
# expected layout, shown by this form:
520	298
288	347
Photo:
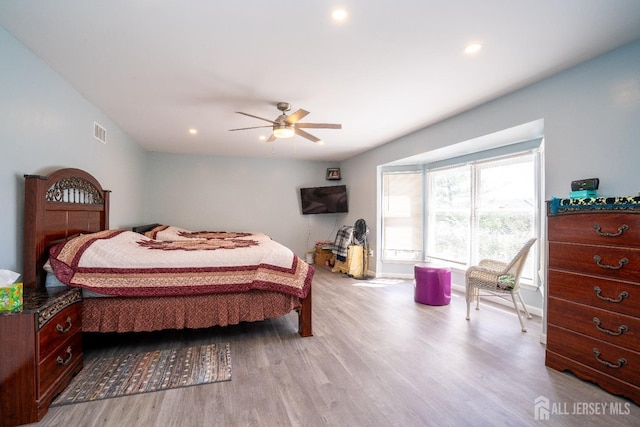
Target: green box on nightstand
11	297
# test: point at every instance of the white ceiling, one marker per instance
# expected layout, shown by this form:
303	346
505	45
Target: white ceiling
160	67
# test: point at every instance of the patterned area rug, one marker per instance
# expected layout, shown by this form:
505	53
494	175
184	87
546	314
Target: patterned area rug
128	374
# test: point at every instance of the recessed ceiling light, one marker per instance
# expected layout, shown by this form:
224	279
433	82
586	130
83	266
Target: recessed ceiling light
262	137
472	48
339	14
193	131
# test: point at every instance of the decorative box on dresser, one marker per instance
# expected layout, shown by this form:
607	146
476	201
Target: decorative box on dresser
40	351
593	309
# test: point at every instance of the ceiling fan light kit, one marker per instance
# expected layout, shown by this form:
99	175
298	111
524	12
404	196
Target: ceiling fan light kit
287	126
283	131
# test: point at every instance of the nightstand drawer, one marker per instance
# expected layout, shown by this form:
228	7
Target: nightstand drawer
61	360
59	328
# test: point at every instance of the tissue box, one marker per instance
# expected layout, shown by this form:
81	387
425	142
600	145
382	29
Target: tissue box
11	297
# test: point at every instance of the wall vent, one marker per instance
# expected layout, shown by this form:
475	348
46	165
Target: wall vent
99	133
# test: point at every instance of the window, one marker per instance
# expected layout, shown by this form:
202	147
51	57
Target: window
483	209
460	211
449	218
402	209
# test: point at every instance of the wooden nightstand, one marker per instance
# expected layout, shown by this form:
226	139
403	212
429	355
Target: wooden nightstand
40	351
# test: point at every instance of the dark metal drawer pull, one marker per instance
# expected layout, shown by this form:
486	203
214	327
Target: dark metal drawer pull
62	329
621	263
622	295
621	329
620	364
62	361
621	229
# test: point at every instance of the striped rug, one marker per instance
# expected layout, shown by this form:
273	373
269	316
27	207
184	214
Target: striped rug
128	374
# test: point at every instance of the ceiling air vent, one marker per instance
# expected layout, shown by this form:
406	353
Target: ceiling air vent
99	133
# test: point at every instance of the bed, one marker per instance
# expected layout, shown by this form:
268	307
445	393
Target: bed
70	206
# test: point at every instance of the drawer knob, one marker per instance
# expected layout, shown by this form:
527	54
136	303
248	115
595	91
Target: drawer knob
622	295
620	364
621	329
62	329
62	361
621	263
621	229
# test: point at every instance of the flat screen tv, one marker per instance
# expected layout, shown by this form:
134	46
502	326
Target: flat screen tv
321	200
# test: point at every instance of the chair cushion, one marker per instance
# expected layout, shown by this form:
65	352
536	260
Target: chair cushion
506	282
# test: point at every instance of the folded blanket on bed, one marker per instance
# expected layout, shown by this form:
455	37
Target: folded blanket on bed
124	263
171	232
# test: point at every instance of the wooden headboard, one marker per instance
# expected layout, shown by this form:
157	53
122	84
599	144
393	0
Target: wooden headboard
58	207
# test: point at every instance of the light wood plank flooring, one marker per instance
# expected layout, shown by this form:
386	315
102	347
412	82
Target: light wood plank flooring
377	358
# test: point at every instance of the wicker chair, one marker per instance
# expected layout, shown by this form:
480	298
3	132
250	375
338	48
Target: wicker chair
498	279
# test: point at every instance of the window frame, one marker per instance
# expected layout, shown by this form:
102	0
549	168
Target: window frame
534	147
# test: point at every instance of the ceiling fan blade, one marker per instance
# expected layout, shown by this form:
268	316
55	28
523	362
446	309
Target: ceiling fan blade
271	138
298	115
319	125
253	127
256	117
307	135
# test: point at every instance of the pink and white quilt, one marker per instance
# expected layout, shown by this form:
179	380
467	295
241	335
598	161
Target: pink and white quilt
175	261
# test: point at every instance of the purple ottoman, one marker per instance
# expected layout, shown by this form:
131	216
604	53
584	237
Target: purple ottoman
432	284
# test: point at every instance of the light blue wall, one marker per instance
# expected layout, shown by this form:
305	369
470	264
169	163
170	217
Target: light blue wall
239	194
591	119
45	124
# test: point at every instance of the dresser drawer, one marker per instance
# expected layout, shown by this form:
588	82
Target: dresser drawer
607	261
596	228
604	357
59	328
614	295
62	359
614	328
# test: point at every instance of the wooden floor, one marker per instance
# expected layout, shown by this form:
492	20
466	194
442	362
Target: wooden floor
377	358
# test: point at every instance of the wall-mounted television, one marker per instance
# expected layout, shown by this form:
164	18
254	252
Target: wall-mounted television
321	200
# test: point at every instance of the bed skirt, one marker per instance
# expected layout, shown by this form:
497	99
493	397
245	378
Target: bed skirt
118	314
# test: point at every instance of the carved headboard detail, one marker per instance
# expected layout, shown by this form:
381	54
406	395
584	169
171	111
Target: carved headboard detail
57	207
74	190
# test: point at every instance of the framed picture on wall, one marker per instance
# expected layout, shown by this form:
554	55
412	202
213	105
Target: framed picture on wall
333	174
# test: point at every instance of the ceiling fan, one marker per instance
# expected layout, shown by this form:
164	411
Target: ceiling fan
287	126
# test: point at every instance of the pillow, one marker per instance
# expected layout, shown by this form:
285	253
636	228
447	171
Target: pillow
506	282
52	281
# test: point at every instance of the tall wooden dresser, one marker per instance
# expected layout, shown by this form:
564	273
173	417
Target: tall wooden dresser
593	309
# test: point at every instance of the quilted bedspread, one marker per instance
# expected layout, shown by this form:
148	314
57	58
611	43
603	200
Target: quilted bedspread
179	262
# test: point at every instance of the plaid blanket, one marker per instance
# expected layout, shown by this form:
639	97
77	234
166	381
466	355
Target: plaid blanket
344	237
